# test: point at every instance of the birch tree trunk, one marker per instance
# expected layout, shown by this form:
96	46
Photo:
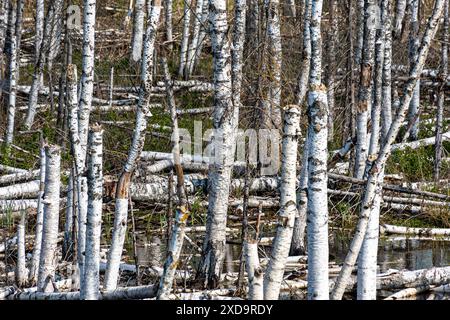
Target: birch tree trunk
68	225
333	38
414	41
441	98
138	30
298	238
185	37
377	169
143	113
3	26
168	22
399	15
237	52
365	88
367	265
47	260
182	212
39	68
288	209
303	78
317	211
298	246
21	269
79	159
360	31
39	25
10	88
39	219
386	106
224	123
91	282
275	60
55	35
87	74
195	37
254	271
204	30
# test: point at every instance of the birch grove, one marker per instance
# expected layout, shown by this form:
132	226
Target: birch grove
224	150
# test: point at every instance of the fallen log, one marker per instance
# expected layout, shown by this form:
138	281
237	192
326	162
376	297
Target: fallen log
413	279
420	143
408	292
8	205
127	293
9	169
391	229
21	190
19	176
389	187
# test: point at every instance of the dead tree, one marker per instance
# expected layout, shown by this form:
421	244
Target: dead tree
365	88
441	98
224	123
47	260
90	290
373	185
317	211
143	113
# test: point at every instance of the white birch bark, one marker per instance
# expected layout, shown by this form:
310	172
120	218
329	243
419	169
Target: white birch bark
55	33
185	37
68	224
275	61
138	30
367	264
441	98
204	28
400	10
39	219
87	74
39	28
11	54
333	38
254	271
3	26
21	269
175	246
420	143
143	112
414	42
298	238
182	211
39	68
424	232
288	209
224	122
317	211
303	78
365	89
168	22
20	190
373	183
91	282
19	177
79	159
386	106
298	246
47	260
237	51
360	31
195	37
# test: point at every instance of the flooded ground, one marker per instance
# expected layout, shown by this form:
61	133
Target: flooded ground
394	252
399	252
